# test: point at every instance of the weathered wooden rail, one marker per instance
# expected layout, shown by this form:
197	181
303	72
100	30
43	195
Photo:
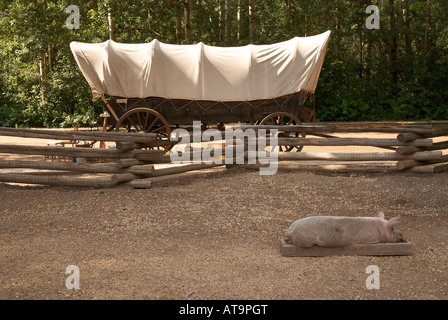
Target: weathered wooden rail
79	135
130	162
413	150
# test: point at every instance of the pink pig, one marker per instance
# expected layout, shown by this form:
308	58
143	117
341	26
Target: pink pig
328	231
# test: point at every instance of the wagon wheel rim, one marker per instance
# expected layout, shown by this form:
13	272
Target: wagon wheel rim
146	120
284	118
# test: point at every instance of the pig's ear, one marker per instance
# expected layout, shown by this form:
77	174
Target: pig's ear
392	222
380	214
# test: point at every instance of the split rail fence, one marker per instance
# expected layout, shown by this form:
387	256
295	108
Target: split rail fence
412	150
130	162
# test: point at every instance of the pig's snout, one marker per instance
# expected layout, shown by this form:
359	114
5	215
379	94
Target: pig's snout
398	237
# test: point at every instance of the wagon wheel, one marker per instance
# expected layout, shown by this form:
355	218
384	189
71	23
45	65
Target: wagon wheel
146	120
284	118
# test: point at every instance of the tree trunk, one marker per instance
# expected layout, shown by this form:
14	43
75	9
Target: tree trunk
306	8
338	34
179	19
239	21
407	23
42	69
43	74
50	57
150	26
112	28
222	22
368	70
361	53
226	20
178	27
306	24
288	17
428	21
252	20
393	46
187	21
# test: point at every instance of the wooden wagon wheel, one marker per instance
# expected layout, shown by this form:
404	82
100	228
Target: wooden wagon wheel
146	120
284	118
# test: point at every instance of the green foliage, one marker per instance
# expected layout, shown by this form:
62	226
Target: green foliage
398	72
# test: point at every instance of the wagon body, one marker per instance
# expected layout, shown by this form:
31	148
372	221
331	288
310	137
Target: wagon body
184	112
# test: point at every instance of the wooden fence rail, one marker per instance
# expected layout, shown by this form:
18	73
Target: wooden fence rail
133	161
79	135
75	152
414	150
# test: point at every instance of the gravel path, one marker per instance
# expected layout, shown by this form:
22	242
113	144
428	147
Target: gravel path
216	237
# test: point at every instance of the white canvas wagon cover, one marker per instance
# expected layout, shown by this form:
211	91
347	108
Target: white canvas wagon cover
202	72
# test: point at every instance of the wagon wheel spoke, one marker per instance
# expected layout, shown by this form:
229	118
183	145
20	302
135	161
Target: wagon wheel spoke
131	124
137	120
155	127
159	130
284	118
143	122
146	121
151	125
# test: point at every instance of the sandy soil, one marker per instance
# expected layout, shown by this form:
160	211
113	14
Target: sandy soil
216	237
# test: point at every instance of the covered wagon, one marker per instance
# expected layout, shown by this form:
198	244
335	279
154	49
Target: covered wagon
152	87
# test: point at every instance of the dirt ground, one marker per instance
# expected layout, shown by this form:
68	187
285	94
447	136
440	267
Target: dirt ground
216	237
